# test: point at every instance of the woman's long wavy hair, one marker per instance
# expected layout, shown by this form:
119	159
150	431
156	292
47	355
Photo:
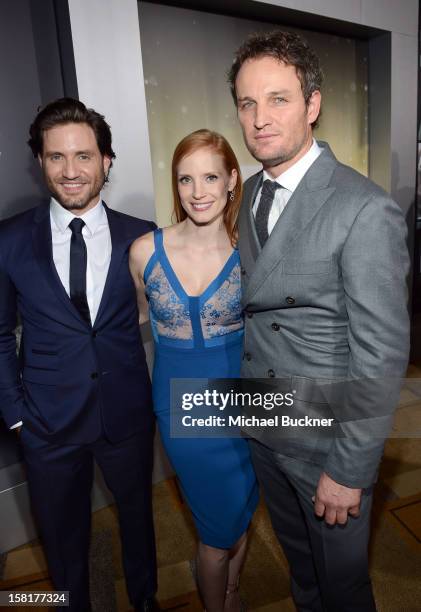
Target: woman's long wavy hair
201	139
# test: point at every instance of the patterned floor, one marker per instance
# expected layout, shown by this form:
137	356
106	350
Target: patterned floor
395	546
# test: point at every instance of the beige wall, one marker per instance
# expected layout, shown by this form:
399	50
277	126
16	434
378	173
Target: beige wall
186	55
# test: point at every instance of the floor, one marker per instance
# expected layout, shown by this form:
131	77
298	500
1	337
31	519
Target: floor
395	547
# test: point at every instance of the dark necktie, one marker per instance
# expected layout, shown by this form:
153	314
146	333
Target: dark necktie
77	276
262	215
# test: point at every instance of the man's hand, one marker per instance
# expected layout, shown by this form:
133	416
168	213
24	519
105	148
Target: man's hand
335	501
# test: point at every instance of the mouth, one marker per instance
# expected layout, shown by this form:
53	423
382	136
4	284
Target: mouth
202	206
264	137
72	187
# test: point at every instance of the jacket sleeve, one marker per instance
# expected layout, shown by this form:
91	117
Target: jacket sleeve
11	391
374	265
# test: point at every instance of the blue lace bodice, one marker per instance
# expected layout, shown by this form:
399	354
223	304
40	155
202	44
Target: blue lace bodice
177	319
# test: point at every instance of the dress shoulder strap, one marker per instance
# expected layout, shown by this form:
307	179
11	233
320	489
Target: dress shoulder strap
158	240
156	255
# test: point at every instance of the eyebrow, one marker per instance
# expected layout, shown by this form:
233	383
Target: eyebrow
203	173
85	152
279	92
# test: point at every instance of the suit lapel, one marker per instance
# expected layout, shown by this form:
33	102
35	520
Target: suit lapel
248	244
310	195
43	251
119	242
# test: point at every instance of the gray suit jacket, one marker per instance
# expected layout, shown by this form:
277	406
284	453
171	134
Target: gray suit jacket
326	299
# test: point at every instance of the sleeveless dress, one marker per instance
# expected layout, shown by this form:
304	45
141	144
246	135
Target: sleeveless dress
201	337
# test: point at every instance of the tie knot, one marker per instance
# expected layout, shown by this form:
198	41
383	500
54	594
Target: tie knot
76	225
269	188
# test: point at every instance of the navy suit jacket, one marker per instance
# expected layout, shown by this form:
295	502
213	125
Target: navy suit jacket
72	381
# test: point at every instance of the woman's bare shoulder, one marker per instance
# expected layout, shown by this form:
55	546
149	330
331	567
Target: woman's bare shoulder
141	251
143	246
171	234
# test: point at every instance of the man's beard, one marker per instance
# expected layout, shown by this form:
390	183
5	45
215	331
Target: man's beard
280	157
78	202
73	205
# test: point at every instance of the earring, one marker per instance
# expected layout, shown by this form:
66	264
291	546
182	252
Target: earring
232	195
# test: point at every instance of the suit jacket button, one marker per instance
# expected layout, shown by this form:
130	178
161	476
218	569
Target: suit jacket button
247	356
275	326
94	333
290	300
243	271
94	375
249	314
271	373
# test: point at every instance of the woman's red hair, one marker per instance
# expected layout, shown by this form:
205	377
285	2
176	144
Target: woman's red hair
201	139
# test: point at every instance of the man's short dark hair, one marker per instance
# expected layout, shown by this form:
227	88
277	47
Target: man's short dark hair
286	47
69	110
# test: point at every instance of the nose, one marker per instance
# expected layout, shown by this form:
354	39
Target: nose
261	116
198	191
70	169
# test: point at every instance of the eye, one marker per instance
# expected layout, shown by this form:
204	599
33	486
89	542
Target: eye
245	104
279	100
84	156
211	178
184	180
55	156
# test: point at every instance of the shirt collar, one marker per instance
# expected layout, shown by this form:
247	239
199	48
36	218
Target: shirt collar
291	177
93	217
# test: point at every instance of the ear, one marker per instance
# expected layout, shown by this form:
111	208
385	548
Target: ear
40	160
233	179
313	106
106	163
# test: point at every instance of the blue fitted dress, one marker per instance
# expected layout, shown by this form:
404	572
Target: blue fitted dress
201	337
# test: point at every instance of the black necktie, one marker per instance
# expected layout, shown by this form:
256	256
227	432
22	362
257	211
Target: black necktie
262	215
77	276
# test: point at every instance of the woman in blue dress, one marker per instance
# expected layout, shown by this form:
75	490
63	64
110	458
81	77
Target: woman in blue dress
188	277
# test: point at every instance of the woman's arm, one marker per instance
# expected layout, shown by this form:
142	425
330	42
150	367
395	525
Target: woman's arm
140	253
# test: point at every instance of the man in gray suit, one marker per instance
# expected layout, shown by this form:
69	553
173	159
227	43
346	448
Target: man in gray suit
324	264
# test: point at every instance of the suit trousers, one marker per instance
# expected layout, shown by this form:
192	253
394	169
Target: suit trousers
328	564
60	479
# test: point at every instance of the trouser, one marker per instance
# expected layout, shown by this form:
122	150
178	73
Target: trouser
328	564
60	482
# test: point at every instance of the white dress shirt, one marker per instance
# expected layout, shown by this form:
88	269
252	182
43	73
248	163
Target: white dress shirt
289	180
96	234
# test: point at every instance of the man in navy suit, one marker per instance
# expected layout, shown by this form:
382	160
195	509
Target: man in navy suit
80	390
